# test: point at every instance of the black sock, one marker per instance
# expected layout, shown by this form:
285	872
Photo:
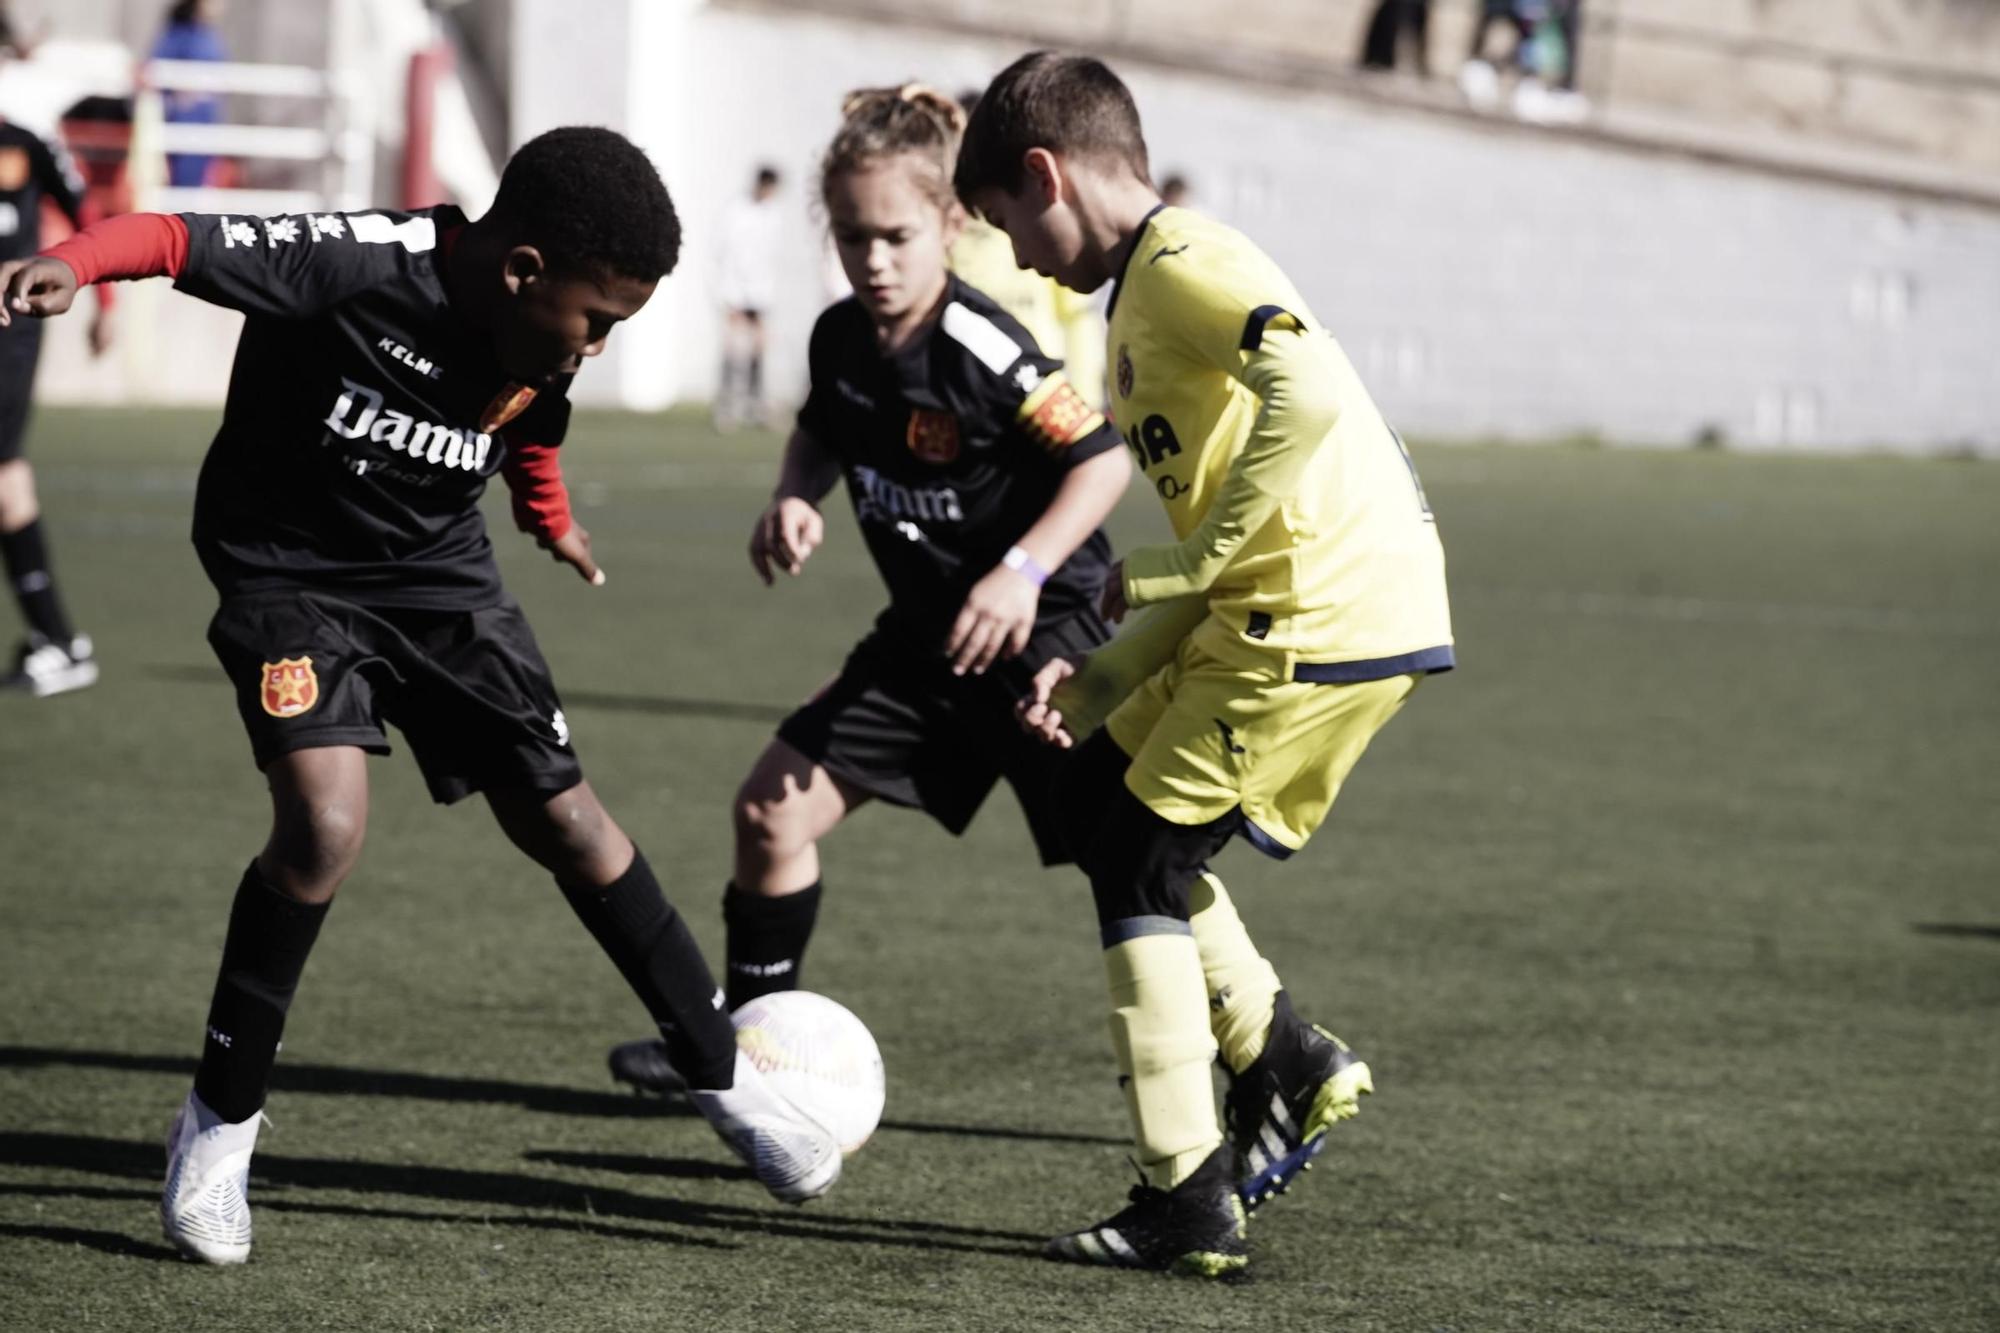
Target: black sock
753	378
27	558
262	957
634	924
767	940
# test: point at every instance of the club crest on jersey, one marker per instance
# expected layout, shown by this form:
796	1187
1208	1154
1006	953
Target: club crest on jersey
13	168
509	403
1124	371
933	435
290	687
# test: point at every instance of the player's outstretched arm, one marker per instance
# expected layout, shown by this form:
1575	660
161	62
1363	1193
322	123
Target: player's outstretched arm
136	245
791	527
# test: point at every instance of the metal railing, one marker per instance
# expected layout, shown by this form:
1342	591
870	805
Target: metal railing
341	145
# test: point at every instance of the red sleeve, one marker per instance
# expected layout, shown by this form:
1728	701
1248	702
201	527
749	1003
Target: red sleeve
541	501
136	245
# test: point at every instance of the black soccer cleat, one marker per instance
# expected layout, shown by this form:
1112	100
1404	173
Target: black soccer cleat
643	1065
1196	1228
1279	1109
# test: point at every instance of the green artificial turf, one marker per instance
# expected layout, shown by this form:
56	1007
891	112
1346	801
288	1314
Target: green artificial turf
1670	924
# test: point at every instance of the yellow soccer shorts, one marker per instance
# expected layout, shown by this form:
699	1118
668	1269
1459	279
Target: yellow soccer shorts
1206	737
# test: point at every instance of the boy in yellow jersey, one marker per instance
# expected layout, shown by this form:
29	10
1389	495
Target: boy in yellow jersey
1299	607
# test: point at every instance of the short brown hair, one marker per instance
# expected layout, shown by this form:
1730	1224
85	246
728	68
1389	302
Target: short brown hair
877	123
1072	105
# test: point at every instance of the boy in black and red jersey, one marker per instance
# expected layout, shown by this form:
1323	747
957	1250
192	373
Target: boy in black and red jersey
391	364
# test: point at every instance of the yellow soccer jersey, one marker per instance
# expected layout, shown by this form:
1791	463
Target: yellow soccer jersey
1298	511
1064	323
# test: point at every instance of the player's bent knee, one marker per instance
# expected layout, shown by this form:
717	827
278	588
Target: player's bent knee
775	828
570	833
313	847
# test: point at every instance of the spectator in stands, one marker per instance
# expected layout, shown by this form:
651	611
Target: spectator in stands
1543	55
191	33
1408	19
749	261
1479	78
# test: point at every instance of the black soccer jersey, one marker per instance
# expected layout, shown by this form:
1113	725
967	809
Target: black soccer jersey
29	171
351	456
952	447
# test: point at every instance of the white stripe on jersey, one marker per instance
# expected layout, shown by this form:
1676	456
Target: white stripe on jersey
414	234
981	337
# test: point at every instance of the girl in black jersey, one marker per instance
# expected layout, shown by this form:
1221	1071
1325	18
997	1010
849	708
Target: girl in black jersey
979	476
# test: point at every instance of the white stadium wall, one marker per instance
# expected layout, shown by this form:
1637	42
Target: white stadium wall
1490	280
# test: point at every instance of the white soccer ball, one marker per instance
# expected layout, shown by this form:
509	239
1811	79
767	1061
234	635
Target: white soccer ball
819	1057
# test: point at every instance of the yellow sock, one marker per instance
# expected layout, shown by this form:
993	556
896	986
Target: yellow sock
1242	986
1159	1027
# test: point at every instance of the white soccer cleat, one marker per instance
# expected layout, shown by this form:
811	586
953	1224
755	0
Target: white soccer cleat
43	667
205	1210
795	1157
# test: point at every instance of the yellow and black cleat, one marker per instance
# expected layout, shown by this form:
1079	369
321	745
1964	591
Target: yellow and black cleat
1196	1229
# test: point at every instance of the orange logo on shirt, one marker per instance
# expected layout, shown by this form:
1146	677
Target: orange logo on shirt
933	435
13	168
290	687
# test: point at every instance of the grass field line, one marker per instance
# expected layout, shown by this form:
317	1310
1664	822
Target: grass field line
1717	611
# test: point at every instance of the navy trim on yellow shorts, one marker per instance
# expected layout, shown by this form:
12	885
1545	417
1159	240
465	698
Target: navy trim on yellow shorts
1428	661
1134	927
1264	842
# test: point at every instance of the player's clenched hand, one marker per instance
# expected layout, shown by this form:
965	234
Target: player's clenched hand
38	287
788	531
573	549
1036	713
998	616
1111	602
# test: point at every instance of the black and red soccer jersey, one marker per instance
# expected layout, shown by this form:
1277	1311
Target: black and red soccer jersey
952	447
360	427
30	171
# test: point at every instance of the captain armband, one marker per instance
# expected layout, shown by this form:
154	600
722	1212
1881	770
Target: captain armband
1055	415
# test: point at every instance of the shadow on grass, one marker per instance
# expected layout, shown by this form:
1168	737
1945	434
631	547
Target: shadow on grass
655	705
104	1242
1962	929
338	1080
278	1181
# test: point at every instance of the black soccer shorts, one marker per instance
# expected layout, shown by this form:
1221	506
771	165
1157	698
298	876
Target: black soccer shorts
20	348
468	689
900	726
